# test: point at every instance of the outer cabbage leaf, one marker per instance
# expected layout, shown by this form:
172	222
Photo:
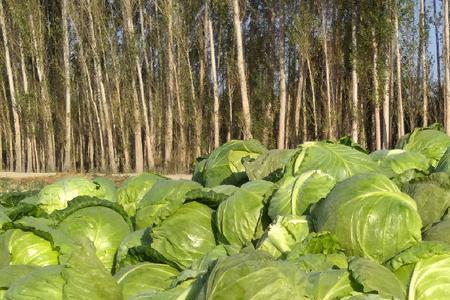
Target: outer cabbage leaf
270	165
321	262
429	142
12	199
400	164
328	285
55	196
337	160
316	243
184	237
133	190
27	248
145	277
444	163
11	274
255	276
102	223
212	196
188	290
296	194
3	219
376	278
439	231
132	249
431	279
283	233
224	165
202	265
109	188
85	277
370	217
403	263
41	284
432	195
241	218
162	200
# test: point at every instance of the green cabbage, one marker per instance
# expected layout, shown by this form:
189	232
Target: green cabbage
296	194
55	196
162	200
224	165
428	142
336	160
133	190
370	216
255	275
183	237
241	219
145	277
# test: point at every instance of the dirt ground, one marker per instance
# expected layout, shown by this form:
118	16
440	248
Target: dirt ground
15	181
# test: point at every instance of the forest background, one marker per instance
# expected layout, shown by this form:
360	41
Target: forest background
133	85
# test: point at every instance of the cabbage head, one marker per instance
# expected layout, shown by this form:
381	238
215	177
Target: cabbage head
337	160
370	216
56	196
133	190
225	166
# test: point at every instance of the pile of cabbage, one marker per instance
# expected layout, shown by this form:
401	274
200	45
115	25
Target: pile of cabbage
326	220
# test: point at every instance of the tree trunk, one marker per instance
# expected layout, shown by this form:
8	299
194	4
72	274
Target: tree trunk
197	122
148	133
102	96
355	101
181	120
283	99
438	52
313	94
376	92
12	92
215	84
401	115
38	47
168	142
298	101
66	58
230	107
29	126
330	122
386	105
241	68
446	66
423	62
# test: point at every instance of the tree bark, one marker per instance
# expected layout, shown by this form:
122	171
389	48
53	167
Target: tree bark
101	92
330	123
423	63
282	71
148	140
313	95
168	143
355	101
446	66
66	58
386	105
12	92
438	51
376	92
241	68
215	84
401	114
298	101
30	126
